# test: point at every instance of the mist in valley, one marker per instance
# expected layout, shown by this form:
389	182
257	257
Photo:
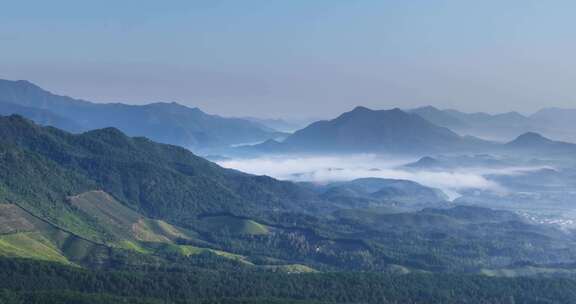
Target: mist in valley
325	169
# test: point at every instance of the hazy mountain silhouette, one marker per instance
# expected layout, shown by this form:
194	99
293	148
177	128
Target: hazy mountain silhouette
534	142
554	122
164	122
372	192
40	116
439	117
366	130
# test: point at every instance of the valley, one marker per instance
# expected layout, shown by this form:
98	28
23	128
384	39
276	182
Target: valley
409	201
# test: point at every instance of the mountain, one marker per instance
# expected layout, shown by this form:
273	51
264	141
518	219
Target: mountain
531	140
155	179
508	118
278	124
159	214
40	116
556	122
439	117
426	163
536	143
90	199
452	162
555	115
163	122
366	130
553	122
501	127
380	192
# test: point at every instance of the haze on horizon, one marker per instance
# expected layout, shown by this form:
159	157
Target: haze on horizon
297	58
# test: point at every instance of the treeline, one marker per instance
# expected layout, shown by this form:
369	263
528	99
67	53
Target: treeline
24	281
60	297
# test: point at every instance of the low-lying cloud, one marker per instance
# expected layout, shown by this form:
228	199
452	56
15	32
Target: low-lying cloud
331	168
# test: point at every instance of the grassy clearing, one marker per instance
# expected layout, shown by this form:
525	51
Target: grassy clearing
187	250
234	225
291	268
30	245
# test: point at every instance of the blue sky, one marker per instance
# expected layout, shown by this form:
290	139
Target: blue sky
297	58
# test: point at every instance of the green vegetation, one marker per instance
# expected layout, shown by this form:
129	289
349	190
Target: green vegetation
129	220
101	190
221	286
41	167
234	225
29	245
529	270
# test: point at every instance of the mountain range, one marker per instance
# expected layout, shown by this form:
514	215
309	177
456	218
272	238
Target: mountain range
395	131
551	122
171	123
374	131
85	198
419	131
73	207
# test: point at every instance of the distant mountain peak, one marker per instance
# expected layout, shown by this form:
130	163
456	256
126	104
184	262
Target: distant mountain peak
366	130
175	106
531	136
425	162
438	117
530	139
428	108
361	109
364	116
365	110
167	122
21	84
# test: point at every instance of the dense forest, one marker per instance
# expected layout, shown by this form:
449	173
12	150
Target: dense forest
55	283
101	217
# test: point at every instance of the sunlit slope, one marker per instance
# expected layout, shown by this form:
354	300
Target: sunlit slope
40	168
74	198
234	225
23	235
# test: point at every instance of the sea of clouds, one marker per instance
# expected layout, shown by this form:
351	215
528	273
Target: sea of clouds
324	169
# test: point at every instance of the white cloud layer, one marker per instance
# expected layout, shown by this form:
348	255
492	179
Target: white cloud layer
333	168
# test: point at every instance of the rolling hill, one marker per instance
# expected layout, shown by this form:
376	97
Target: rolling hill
379	192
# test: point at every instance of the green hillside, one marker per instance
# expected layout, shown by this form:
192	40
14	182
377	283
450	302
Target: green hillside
42	167
103	200
233	225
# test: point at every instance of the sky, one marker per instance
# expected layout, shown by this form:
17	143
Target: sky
297	58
